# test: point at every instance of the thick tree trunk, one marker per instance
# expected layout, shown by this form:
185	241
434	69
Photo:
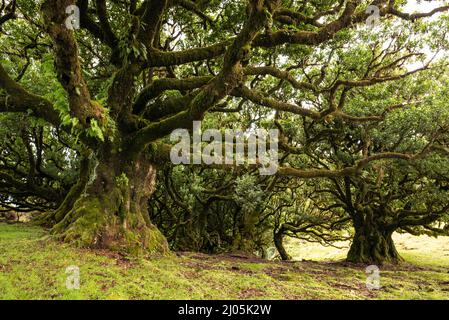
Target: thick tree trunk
373	245
279	243
245	232
112	211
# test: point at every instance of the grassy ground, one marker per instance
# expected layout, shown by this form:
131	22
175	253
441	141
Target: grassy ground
31	267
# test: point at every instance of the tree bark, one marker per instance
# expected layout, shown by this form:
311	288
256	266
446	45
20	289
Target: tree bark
372	244
112	211
279	243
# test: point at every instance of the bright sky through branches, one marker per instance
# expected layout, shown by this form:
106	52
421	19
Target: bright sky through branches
423	6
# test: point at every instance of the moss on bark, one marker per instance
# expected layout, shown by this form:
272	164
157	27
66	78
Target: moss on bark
112	211
96	222
371	245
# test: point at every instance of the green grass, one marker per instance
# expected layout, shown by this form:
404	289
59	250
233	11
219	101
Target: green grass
33	267
422	250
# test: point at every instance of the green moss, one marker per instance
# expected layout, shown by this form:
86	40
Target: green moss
122	180
157	241
31	268
106	222
82	225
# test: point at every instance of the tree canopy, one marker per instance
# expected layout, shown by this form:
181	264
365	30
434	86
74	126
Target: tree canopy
90	92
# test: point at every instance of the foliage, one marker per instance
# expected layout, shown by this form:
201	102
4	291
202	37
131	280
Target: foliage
86	117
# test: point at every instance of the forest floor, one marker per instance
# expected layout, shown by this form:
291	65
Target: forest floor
32	267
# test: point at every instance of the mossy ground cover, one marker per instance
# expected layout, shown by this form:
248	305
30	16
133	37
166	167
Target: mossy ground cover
34	267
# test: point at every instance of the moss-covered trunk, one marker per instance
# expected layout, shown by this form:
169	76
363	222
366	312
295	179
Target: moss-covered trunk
372	244
111	212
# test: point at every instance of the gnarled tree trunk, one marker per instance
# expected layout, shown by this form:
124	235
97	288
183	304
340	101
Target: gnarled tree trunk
111	212
279	243
372	244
